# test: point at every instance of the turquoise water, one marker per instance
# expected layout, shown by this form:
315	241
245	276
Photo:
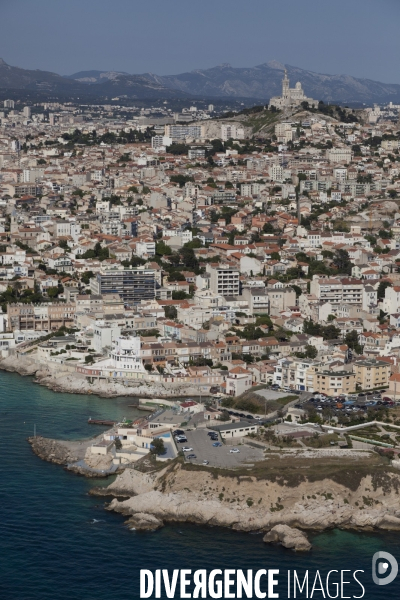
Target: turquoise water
52	548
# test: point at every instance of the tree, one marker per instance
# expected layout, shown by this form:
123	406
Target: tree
117	443
224	416
181	179
268	228
342	261
64	245
176	276
189	259
162	249
351	340
311	351
330	332
86	277
157	446
381	289
53	292
170	312
179	295
297	289
17	287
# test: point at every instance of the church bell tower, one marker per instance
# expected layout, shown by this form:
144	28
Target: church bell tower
285	88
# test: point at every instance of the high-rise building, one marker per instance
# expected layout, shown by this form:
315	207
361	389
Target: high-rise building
133	285
233	131
27	112
181	132
9	104
224	280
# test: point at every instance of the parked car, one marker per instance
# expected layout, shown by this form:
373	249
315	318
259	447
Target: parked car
182	441
205	462
191	456
234	450
185	449
178	432
217	444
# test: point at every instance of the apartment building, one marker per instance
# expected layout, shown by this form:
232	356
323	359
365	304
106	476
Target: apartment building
40	317
280	299
133	285
333	383
224	280
231	131
337	291
181	132
297	374
371	374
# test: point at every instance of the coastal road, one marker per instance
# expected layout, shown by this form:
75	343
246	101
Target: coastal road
219	457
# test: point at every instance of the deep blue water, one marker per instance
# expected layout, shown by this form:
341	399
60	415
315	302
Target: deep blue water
50	548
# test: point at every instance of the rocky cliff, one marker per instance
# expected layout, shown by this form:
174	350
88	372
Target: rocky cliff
248	503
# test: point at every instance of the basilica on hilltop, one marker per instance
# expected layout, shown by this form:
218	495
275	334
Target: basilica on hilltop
291	97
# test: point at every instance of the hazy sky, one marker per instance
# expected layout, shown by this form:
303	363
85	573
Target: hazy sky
355	37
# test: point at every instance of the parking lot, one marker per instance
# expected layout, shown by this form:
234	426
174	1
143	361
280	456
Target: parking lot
218	457
348	404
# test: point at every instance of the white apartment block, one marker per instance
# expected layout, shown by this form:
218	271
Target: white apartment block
224	280
181	132
231	131
337	291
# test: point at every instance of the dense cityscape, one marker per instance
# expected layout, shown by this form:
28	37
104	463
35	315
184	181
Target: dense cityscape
237	271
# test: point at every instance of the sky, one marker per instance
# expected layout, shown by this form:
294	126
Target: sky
353	37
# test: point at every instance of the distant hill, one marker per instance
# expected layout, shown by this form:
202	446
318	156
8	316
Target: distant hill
114	84
16	78
224	81
93	77
265	81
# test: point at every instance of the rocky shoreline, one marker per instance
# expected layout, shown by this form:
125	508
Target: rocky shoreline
74	456
68	381
284	513
282	510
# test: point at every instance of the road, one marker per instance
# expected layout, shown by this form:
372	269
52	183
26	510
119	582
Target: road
218	457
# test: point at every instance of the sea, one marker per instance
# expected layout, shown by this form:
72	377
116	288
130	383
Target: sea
59	543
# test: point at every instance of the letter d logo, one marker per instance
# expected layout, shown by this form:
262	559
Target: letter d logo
380	568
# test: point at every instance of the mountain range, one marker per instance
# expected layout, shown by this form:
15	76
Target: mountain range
224	81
